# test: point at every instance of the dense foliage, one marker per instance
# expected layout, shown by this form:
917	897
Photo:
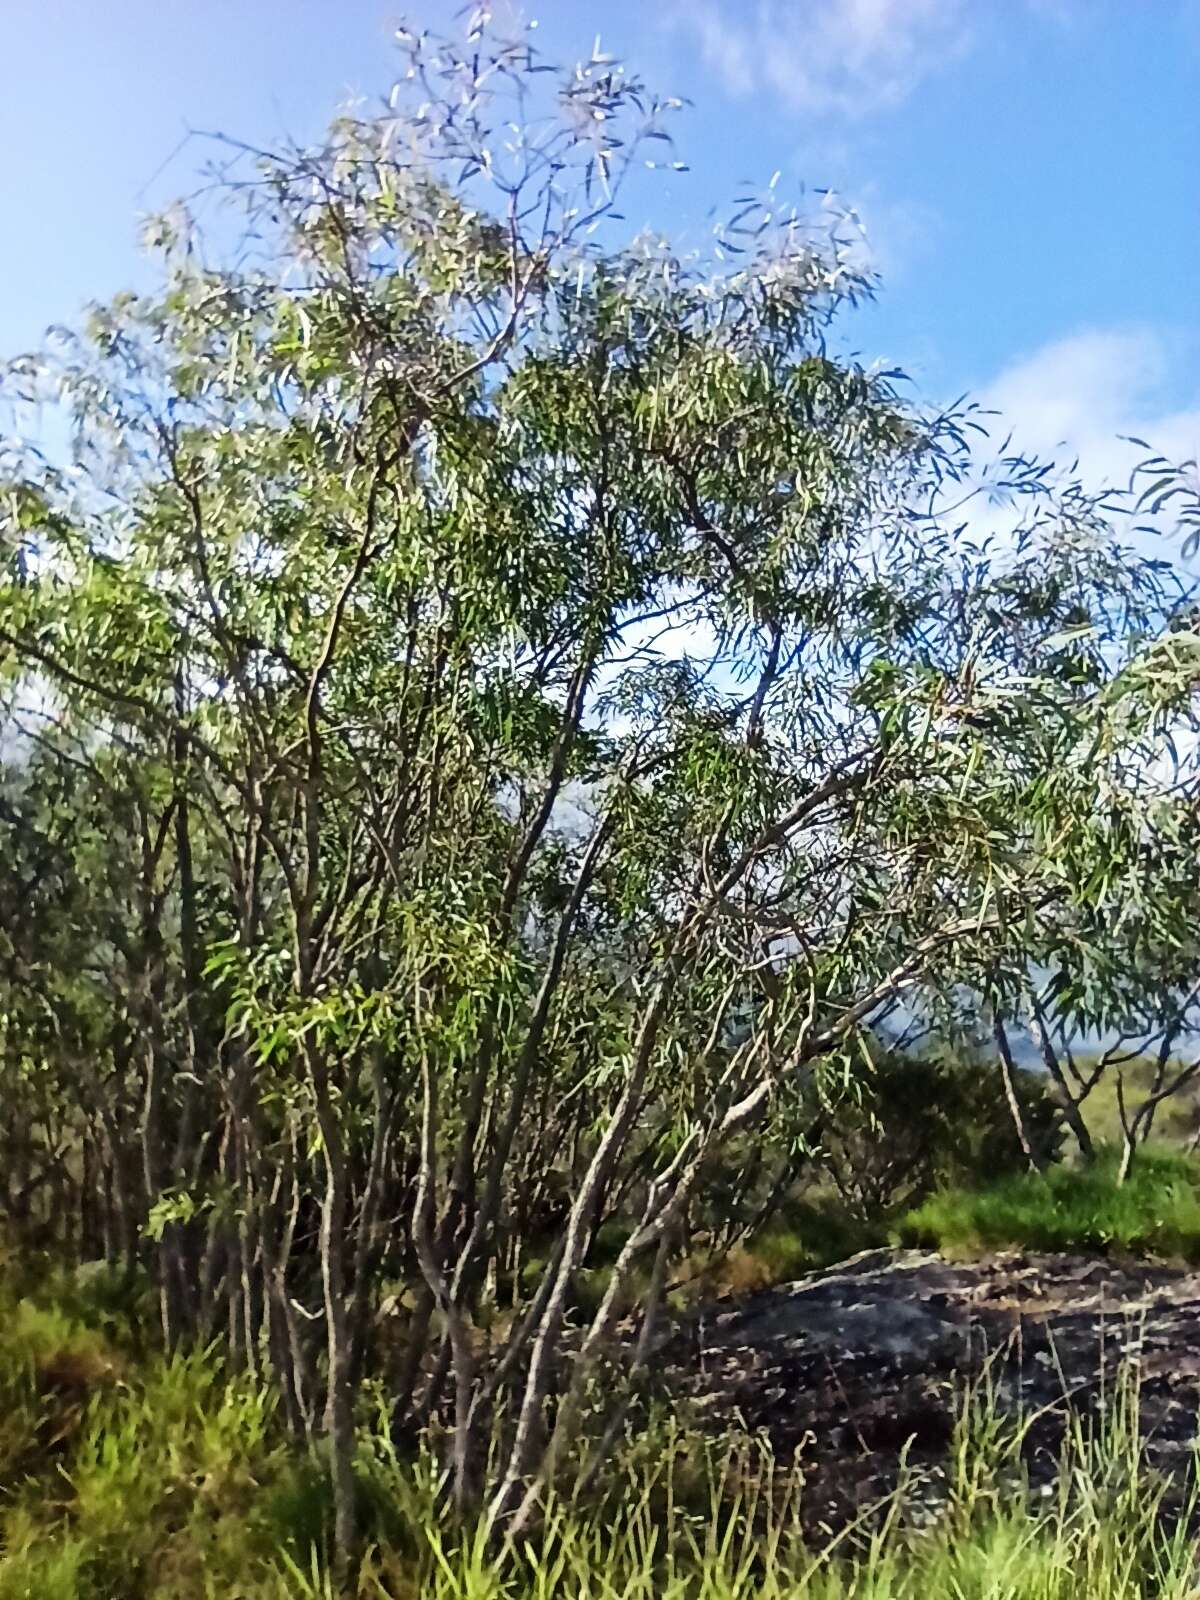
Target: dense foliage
495	715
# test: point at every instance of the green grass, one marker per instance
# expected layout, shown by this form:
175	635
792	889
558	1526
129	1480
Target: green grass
674	1527
127	1476
1155	1212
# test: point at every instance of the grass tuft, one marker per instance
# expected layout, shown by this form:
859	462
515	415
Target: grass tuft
1156	1211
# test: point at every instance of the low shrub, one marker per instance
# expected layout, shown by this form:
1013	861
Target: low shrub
915	1122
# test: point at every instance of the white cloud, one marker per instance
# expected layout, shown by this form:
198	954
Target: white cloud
1082	388
1076	397
848	57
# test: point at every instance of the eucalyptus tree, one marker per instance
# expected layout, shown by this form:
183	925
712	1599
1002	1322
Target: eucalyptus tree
541	710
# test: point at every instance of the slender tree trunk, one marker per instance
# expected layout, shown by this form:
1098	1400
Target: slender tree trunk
1068	1102
435	1278
180	1241
1008	1078
365	1243
339	1393
529	1418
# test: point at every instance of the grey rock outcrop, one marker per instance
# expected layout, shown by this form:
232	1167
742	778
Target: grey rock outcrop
854	1370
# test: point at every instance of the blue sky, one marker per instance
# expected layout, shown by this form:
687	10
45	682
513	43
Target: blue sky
1028	171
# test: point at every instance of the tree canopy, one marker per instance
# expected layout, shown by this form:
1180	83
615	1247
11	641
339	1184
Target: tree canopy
493	710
